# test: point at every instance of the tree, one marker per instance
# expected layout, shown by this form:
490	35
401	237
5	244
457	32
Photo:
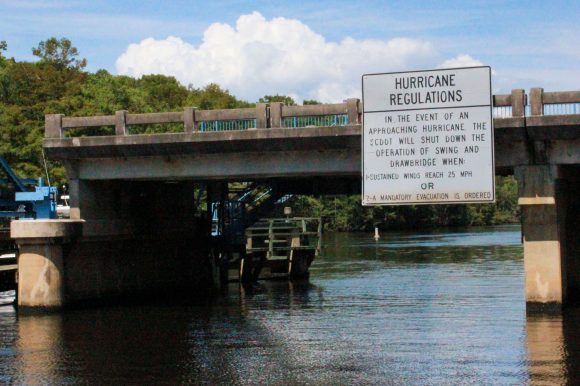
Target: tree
163	91
61	53
288	101
3	47
213	96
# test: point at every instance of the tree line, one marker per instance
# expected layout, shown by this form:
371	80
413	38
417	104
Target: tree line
345	213
57	83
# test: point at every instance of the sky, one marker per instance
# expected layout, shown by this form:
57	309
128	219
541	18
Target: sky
308	50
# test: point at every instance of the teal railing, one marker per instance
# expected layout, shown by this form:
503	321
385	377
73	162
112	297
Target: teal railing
318	120
236	124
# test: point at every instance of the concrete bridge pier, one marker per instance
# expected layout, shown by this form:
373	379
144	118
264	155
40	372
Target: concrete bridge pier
127	239
550	220
42	245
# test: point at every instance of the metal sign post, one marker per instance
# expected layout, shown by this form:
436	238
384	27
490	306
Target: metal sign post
427	137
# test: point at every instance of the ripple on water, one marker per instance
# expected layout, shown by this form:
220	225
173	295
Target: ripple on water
440	307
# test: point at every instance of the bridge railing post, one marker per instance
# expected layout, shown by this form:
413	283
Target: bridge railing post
537	101
121	122
189	124
275	114
261	116
53	126
537	108
353	111
518	98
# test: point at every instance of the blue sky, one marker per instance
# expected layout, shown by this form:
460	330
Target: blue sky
527	43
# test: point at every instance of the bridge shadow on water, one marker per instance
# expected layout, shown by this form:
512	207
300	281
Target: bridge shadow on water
176	342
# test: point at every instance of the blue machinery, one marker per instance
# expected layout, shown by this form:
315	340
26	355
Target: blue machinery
231	216
16	201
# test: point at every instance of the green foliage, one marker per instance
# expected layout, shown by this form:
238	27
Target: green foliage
288	101
61	53
3	47
310	102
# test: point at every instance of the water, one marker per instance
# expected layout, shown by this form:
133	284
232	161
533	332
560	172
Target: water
433	308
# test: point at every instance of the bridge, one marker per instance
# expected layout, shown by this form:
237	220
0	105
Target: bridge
133	228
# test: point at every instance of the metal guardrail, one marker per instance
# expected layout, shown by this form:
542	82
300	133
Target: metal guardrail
562	109
240	124
276	115
549	109
502	111
317	120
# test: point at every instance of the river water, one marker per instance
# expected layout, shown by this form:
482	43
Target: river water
439	307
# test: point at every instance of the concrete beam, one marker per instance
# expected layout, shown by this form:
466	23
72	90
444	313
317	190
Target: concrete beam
558	135
311	138
260	154
228	166
32	229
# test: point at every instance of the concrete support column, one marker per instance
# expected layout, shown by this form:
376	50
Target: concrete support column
543	200
41	260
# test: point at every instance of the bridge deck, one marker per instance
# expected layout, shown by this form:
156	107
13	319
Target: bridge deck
273	150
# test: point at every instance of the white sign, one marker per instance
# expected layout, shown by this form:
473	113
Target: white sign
427	137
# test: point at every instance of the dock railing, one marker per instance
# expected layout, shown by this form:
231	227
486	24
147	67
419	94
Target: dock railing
279	236
276	115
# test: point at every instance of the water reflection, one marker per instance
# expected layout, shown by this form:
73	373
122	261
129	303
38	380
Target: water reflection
553	343
546	349
39	347
433	308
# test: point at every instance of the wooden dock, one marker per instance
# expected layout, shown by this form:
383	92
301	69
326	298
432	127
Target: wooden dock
278	248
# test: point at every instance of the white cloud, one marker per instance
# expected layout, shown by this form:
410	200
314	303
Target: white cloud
257	57
462	60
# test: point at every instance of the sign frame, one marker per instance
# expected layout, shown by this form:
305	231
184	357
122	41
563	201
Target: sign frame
491	140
